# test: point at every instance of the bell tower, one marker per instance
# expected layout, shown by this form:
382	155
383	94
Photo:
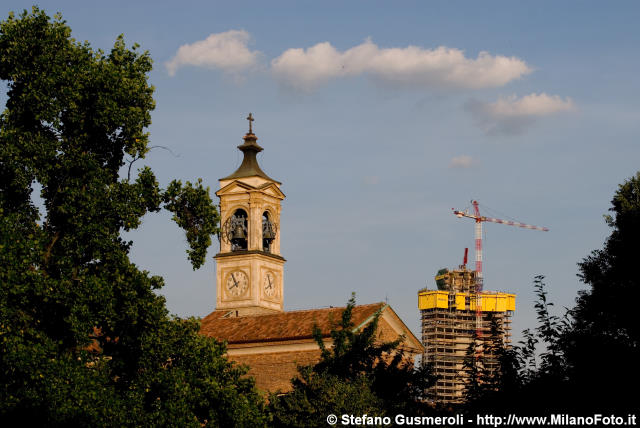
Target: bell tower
249	267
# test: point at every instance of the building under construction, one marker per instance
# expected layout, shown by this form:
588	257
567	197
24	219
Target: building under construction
452	316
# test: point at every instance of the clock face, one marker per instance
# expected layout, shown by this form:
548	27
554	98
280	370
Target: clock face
237	283
269	284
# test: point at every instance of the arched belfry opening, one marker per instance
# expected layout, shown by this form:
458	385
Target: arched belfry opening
269	230
238	230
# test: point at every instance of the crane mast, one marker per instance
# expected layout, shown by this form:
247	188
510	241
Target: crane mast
479	219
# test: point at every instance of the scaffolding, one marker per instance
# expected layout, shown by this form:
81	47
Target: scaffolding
449	324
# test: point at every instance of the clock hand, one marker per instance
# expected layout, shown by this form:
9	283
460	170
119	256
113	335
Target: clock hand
269	278
234	281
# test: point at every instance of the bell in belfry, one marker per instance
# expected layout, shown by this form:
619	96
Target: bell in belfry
238	233
267	231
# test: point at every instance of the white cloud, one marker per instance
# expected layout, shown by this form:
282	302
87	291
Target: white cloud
512	115
530	105
306	69
463	161
226	51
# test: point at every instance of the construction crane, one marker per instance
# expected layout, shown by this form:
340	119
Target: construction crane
479	219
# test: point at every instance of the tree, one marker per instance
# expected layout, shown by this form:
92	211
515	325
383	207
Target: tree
356	375
473	365
602	346
84	338
317	394
493	374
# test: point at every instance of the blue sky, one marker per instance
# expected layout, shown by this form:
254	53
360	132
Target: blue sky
378	118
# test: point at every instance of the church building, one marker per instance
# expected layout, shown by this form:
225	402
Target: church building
249	312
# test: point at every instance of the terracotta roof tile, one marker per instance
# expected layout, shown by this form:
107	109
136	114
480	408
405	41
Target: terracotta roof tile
282	326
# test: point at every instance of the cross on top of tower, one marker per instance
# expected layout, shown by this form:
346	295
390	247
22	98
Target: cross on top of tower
250	119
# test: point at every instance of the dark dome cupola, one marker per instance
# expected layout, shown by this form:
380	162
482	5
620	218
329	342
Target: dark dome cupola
250	149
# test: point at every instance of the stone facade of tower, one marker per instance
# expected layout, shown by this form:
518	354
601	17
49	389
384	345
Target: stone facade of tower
249	266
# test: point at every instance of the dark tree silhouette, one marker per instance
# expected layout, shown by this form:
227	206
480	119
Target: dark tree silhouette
85	340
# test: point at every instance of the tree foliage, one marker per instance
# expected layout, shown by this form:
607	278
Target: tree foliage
602	346
317	394
84	338
358	374
473	365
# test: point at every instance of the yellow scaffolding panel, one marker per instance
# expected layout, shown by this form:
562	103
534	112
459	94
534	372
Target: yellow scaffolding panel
490	302
461	304
494	302
433	299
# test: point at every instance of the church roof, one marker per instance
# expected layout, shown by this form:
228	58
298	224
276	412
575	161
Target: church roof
282	326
